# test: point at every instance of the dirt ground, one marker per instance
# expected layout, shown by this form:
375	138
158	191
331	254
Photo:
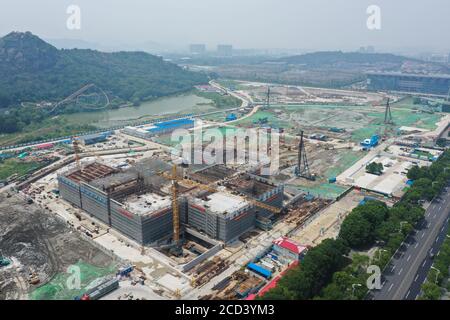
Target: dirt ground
39	242
327	223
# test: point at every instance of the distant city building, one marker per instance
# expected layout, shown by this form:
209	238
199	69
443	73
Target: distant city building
368	49
225	50
441	58
197	48
413	83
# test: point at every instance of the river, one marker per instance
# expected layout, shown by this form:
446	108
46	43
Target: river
186	103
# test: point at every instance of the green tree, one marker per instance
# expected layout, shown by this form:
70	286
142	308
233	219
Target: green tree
375	168
431	291
356	231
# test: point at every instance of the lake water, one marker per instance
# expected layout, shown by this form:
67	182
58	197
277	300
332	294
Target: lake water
177	104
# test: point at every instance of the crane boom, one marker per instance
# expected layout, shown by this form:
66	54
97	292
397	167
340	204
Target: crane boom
77	150
214	189
175	208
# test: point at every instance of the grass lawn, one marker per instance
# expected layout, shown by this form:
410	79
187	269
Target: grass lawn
13	166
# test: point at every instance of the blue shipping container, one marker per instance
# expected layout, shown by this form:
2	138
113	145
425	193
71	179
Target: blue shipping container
260	270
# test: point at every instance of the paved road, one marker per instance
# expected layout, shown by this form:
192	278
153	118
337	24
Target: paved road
406	273
422	273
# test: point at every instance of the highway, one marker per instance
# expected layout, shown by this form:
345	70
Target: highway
409	267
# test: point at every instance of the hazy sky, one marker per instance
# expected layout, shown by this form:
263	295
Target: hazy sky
307	24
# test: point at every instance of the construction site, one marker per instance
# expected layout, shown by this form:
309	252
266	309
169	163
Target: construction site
143	222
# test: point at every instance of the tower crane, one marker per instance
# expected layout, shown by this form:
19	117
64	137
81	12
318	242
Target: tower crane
176	245
211	188
77	151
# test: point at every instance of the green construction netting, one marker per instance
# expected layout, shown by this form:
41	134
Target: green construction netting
346	160
401	118
324	190
57	288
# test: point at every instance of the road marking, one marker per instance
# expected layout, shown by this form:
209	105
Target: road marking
407	295
401	270
417	277
422	235
424	263
417	244
390	287
409	257
393	268
437	239
443	228
422	252
434	215
440	208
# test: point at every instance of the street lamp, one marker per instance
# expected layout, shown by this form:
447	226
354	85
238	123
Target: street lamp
437	274
401	225
379	253
354	285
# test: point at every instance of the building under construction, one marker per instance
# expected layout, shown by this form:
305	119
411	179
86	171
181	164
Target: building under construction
259	189
249	186
131	201
138	203
221	215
